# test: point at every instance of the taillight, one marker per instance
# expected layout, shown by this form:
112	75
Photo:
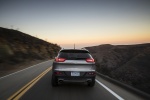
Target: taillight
89	60
60	59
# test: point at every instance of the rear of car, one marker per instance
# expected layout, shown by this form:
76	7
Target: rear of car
72	65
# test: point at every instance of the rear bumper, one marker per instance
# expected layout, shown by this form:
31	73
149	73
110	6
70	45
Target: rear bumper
65	76
75	79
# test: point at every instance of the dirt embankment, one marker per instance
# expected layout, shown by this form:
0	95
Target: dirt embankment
18	50
129	64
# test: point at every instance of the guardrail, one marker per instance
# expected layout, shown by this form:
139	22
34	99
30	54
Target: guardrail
125	86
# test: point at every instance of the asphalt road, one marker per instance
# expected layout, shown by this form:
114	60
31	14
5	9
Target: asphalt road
42	89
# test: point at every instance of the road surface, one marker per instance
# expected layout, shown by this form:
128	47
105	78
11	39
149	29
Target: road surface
34	83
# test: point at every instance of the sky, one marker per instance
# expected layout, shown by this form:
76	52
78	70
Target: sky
80	22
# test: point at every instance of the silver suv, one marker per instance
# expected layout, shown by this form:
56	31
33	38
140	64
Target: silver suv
73	65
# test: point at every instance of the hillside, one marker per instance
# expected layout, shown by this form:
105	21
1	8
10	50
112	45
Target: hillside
129	64
17	47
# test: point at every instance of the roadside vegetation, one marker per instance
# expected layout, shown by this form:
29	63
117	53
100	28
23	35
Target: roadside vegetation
129	64
17	47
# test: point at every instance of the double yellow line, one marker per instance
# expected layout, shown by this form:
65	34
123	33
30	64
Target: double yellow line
24	89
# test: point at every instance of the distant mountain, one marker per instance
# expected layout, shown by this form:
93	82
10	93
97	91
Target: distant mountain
129	64
17	47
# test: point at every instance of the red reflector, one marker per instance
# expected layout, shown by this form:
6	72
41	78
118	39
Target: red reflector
58	73
91	73
60	59
89	60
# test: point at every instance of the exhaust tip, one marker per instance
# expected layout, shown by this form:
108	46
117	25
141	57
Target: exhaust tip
89	81
60	81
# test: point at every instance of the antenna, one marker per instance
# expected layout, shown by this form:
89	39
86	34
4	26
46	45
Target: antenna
74	46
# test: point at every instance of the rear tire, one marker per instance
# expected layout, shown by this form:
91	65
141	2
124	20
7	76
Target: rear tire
92	83
54	81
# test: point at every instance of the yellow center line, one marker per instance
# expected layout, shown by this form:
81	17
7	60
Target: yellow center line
25	88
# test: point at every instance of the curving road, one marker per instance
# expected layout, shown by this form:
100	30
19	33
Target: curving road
36	86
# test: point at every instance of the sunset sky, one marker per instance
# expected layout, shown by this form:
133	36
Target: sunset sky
83	22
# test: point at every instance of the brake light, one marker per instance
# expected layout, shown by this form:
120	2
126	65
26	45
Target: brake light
89	60
60	59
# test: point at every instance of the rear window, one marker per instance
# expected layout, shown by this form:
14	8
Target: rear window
74	55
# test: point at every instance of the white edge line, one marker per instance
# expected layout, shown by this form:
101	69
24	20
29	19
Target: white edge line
22	70
112	92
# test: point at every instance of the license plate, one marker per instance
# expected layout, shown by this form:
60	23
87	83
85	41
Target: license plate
75	73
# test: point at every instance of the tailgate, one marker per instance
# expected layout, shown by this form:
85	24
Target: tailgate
73	65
